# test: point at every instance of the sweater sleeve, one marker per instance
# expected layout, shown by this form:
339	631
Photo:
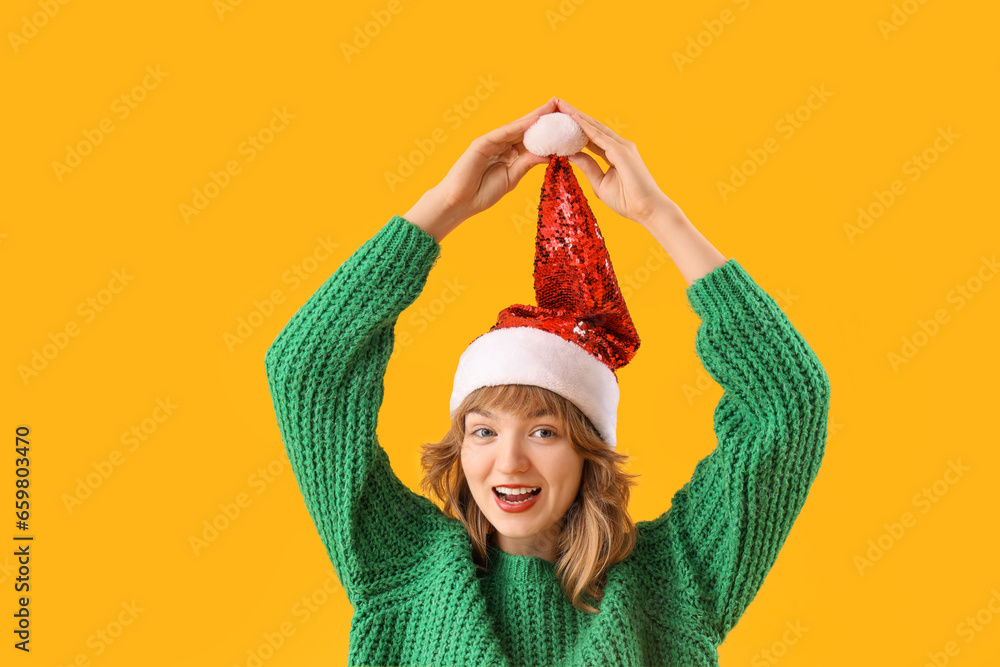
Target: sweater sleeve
726	525
325	373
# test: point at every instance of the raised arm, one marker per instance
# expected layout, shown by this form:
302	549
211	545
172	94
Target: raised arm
723	531
630	190
725	527
325	370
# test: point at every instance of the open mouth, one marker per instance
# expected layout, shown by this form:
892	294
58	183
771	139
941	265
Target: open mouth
514	499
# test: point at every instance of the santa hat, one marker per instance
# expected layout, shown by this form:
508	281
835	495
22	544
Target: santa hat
580	331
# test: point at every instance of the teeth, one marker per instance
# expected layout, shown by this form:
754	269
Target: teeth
517	491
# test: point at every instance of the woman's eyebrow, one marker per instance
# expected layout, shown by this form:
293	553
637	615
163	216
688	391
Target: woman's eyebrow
489	415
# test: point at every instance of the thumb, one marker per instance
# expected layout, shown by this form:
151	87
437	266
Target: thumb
590	169
522	165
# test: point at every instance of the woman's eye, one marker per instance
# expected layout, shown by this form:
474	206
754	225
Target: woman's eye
547	433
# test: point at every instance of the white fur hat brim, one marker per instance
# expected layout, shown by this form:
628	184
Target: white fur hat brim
526	355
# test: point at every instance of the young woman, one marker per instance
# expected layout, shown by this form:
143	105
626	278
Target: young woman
566	578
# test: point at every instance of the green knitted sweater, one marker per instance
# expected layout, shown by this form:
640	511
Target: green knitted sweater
408	570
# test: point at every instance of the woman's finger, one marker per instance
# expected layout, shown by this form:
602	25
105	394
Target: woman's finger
502	138
599	128
591	145
599	143
548	107
524	162
513	132
590	169
521	150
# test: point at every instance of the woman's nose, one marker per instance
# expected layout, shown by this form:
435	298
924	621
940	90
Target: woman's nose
511	454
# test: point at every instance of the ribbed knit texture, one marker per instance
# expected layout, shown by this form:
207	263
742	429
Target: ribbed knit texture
407	569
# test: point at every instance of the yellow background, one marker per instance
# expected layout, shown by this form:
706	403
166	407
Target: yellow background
321	179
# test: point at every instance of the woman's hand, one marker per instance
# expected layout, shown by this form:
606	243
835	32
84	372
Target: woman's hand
490	168
627	188
492	165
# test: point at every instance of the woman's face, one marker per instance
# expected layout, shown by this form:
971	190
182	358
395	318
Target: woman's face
502	450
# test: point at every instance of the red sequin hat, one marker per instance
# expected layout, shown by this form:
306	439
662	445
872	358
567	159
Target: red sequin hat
580	331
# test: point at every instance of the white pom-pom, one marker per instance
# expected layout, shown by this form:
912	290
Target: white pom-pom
555	134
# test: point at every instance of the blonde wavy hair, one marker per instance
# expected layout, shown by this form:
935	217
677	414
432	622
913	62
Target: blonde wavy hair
595	533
